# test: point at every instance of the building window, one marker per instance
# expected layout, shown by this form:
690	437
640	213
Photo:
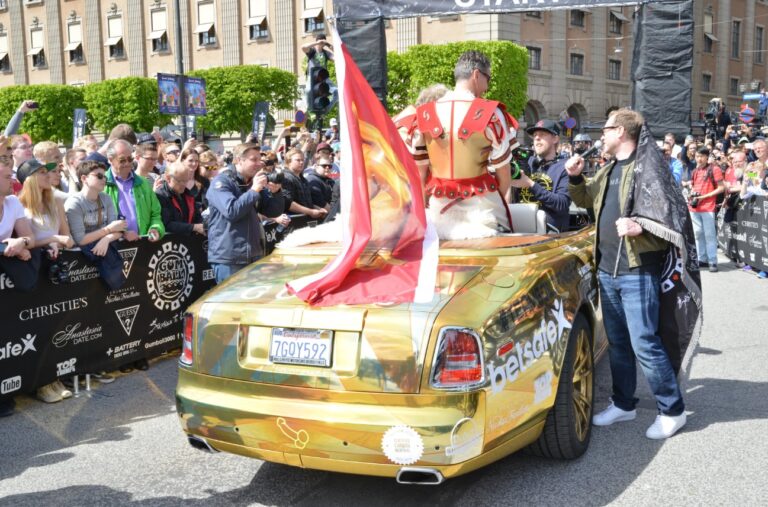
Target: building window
758	44
534	58
257	20
314	19
709	41
159	33
706	82
735	39
577	18
5	61
75	46
733	89
617	24
533	14
577	64
36	48
614	70
115	37
3	5
206	24
708	23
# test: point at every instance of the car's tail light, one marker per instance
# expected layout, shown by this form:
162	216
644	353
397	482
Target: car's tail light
458	360
186	345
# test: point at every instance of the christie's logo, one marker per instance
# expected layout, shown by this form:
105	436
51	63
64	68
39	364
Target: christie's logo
749	224
128	255
73	334
66	367
170	276
53	308
11	349
10	385
126	317
524	355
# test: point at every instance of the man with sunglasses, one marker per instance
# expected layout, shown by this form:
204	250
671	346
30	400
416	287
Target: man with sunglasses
463	142
628	272
320	184
133	195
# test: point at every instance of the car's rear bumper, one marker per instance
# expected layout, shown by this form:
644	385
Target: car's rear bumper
342	431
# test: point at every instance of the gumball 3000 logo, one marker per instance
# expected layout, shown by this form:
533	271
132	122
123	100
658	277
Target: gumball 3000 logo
170	276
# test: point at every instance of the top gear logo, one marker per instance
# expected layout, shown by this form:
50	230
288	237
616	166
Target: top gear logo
171	271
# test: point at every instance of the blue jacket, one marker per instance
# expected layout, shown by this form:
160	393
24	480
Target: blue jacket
235	234
556	202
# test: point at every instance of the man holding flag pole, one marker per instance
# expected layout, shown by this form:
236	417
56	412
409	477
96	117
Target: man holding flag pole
650	291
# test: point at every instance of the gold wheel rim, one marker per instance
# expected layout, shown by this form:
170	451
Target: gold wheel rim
582	384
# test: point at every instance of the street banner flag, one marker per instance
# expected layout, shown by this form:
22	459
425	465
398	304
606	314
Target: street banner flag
259	121
78	124
389	250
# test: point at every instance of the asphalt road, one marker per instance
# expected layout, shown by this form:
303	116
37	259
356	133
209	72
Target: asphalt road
124	446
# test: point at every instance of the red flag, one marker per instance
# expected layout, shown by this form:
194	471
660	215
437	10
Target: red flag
389	250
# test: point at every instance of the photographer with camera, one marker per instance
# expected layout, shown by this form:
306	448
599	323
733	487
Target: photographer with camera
705	185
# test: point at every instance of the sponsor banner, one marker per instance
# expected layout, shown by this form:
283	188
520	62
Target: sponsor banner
745	238
82	326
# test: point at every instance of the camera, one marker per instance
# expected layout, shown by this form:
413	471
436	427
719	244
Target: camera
693	199
58	272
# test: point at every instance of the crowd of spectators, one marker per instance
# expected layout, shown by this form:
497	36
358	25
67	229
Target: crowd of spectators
132	186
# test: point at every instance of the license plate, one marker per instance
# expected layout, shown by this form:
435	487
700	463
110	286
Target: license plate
310	347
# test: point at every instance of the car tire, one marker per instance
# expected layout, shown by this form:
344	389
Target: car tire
568	426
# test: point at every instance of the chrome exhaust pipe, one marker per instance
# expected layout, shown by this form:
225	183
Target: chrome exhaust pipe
420	476
200	444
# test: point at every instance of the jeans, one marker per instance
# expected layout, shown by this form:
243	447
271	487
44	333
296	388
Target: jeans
223	271
705	231
630	305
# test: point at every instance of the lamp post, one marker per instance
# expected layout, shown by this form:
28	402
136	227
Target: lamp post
180	71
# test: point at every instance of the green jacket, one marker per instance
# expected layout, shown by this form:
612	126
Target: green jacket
148	213
590	193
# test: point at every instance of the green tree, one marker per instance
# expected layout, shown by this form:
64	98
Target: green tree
131	100
424	65
53	119
231	93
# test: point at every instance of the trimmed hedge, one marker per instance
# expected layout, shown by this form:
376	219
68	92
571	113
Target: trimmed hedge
53	119
233	91
424	65
131	100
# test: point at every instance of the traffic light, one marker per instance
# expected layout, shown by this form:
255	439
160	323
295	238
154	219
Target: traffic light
318	90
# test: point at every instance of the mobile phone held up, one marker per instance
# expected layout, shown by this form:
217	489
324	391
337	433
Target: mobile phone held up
31	104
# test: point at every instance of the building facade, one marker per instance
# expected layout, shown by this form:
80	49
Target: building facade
579	59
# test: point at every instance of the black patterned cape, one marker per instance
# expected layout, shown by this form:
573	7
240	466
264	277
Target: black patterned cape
657	204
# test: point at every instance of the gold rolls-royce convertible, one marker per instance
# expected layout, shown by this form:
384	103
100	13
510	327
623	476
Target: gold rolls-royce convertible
500	359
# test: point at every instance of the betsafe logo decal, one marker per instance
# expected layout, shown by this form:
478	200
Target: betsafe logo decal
525	353
170	275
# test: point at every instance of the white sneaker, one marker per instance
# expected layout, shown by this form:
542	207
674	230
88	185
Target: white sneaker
48	394
613	414
665	426
61	389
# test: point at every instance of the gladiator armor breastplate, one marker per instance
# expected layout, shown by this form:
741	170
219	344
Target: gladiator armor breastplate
458	149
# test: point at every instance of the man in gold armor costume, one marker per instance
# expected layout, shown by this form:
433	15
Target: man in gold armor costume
461	144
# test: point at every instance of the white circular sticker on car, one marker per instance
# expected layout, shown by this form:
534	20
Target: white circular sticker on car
402	445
